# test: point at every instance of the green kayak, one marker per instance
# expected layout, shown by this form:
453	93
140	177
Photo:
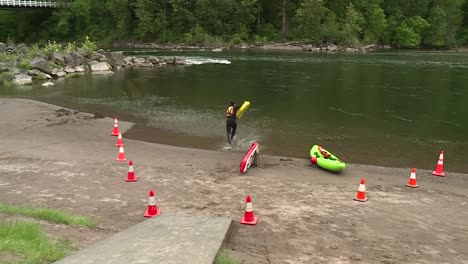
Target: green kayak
325	159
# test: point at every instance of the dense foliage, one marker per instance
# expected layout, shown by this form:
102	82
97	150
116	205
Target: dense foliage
401	23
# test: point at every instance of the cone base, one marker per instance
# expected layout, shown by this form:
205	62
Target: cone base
131	180
360	200
254	222
120	160
412	186
147	215
115	134
438	174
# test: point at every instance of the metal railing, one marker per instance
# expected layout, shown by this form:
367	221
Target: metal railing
28	3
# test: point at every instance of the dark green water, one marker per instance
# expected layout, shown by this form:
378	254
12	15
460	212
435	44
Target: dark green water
392	109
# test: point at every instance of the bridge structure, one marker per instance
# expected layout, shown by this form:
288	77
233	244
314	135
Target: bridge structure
28	4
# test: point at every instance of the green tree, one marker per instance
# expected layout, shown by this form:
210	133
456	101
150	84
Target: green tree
309	19
350	26
408	34
438	25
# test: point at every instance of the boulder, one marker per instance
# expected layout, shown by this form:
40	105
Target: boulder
128	61
153	59
370	47
139	60
96	56
41	64
332	47
58	58
79	60
3	47
169	60
38	75
48	84
179	61
146	64
217	50
69	69
4	67
61	73
116	58
79	69
22	79
70	60
101	66
22	48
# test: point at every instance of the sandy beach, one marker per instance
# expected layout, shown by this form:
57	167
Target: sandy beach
60	158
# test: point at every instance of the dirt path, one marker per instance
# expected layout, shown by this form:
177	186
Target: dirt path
66	160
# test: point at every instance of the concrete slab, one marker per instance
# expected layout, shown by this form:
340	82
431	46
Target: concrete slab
164	239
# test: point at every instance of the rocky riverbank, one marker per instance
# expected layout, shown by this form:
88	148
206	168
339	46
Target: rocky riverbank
22	65
287	46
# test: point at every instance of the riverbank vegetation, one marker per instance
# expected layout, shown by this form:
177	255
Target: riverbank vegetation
402	24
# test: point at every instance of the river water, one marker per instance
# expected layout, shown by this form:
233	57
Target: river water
387	108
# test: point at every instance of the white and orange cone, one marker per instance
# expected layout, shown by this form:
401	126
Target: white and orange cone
131	177
119	141
361	194
121	156
152	208
115	132
412	180
249	218
439	171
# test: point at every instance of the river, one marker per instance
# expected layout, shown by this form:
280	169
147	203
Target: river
385	108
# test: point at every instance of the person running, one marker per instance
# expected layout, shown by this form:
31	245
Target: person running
231	124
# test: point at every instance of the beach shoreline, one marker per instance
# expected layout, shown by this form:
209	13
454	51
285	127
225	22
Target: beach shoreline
64	159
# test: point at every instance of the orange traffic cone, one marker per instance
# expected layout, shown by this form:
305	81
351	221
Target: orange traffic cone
361	194
119	141
152	208
412	179
116	128
439	171
249	218
131	177
121	156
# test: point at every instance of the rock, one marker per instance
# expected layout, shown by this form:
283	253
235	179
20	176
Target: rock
58	58
370	47
79	60
387	47
38	75
93	62
103	59
179	61
307	48
362	50
48	84
70	60
128	61
138	60
153	59
22	48
162	63
332	47
54	71
145	64
101	66
102	72
61	73
79	69
116	58
22	79
351	50
101	51
4	67
96	56
3	47
69	69
98	115
217	50
41	64
169	60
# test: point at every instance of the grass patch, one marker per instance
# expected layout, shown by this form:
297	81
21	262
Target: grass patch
23	242
51	215
224	257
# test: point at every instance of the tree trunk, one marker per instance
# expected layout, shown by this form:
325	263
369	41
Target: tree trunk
283	25
258	17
